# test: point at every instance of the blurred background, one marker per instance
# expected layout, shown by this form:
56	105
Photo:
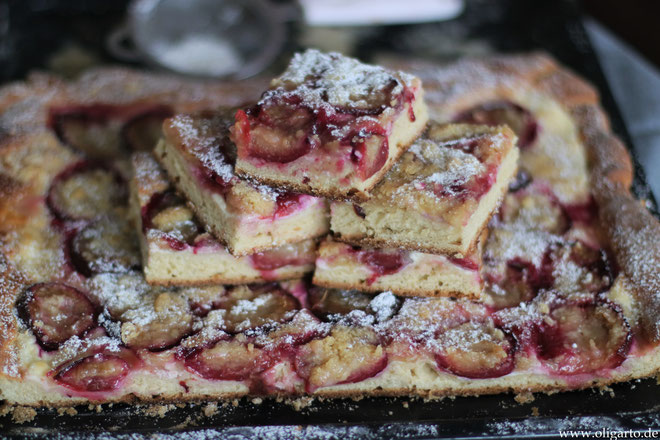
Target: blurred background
614	44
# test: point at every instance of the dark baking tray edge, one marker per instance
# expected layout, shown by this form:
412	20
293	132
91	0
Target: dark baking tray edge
633	406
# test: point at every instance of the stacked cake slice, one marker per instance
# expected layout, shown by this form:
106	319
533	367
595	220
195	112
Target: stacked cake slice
426	217
239	196
177	250
198	156
217	229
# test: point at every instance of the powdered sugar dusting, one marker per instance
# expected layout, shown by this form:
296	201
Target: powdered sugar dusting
511	241
337	80
635	234
10	285
439	170
207	141
119	292
268	192
76	346
454	167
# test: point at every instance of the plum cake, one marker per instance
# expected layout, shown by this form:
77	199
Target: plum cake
439	196
329	125
176	250
199	157
403	272
569	267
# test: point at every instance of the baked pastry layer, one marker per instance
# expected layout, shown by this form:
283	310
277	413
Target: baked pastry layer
330	126
247	218
176	250
439	196
406	273
570	268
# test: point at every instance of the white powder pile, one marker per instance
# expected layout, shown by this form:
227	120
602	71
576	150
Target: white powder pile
200	54
384	306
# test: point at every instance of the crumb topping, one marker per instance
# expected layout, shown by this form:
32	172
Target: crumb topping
441	171
451	168
331	78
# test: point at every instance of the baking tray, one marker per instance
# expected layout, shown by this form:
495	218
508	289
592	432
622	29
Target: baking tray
508	26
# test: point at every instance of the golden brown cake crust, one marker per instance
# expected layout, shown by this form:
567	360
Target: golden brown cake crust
635	238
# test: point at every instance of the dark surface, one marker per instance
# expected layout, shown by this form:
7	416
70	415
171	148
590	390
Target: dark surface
514	25
632	406
634	21
32	30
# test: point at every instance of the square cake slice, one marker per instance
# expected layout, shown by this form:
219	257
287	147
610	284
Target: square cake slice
330	126
403	272
176	250
198	156
439	196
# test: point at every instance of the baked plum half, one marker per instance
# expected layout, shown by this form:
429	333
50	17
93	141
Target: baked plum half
85	191
250	307
103	370
108	245
161	323
476	350
227	359
56	312
303	252
583	338
104	131
520	119
347	355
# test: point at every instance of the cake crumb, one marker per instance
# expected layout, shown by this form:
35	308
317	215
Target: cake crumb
210	409
524	398
67	411
605	389
301	403
5	409
257	400
97	408
535	411
22	414
158	410
405	404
